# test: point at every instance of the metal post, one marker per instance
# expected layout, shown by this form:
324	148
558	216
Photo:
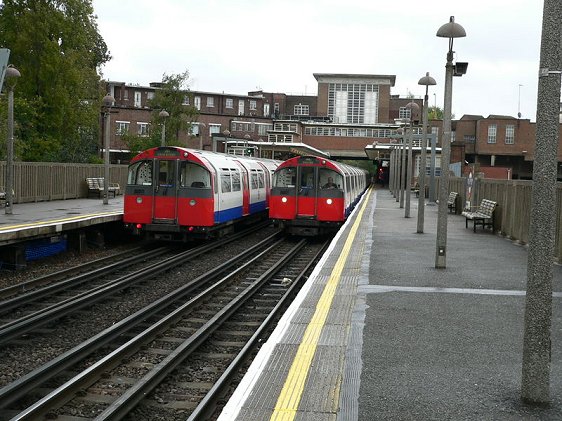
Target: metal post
535	381
431	199
408	184
423	164
451	31
163	141
402	170
106	157
392	171
10	155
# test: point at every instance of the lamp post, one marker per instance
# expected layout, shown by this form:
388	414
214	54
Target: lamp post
450	30
108	101
163	115
201	134
414	111
12	75
426	81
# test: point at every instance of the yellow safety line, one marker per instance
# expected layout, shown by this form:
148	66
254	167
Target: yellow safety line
289	399
53	221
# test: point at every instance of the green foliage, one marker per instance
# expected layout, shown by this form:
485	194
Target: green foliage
367	165
58	50
435	113
171	98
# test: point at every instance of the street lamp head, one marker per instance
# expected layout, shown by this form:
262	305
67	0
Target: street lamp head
451	30
427	80
163	114
12	74
108	101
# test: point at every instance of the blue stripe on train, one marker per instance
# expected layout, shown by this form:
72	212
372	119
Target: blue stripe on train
235	213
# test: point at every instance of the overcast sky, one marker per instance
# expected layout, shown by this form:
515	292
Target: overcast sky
236	46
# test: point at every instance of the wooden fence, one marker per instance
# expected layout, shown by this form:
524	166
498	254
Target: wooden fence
512	217
44	181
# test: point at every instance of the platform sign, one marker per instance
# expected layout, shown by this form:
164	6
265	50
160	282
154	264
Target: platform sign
4	57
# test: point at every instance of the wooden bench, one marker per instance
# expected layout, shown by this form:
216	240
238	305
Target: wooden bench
482	215
452	202
96	187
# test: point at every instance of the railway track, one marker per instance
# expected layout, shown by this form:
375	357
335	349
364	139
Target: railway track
87	284
150	370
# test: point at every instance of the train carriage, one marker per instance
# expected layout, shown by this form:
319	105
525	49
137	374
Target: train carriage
175	193
312	195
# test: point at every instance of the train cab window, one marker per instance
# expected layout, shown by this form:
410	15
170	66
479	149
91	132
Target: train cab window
140	173
307	178
193	175
285	177
330	179
166	173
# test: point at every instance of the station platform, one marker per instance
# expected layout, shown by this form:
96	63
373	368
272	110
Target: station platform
377	333
32	220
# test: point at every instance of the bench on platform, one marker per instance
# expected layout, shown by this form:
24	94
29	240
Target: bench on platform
452	202
96	187
482	215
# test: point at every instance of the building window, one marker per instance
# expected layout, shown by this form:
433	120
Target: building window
492	131
276	110
122	127
138	100
214	128
453	136
263	128
229	103
404	112
301	109
509	134
240	107
266	110
150	95
253	105
353	102
142	129
210	101
185	100
197	102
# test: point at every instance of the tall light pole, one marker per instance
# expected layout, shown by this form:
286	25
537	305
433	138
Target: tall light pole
108	101
12	75
414	111
201	134
425	81
163	115
450	30
535	379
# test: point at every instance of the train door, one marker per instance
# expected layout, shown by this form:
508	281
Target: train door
306	192
245	189
165	191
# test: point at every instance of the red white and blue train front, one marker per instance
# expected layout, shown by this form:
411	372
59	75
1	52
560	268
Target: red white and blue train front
312	195
174	193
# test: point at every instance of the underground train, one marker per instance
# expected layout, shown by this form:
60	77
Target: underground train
314	196
179	194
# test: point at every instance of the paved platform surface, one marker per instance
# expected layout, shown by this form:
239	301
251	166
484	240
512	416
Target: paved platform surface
403	340
29	220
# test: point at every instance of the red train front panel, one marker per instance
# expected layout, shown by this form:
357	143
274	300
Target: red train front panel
308	192
171	187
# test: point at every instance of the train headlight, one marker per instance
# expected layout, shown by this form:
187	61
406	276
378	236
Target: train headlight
329	201
284	199
192	202
139	200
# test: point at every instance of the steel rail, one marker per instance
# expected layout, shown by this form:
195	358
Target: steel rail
27	323
25	384
31	296
84	379
207	405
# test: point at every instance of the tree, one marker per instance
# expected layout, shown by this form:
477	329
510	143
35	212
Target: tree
58	50
170	96
435	113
